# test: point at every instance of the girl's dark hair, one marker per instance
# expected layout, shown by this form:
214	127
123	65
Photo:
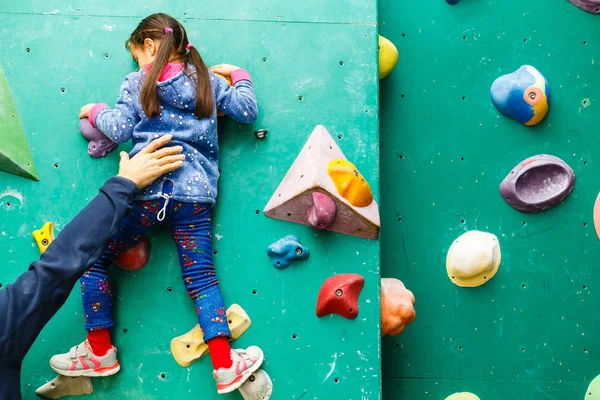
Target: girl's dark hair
172	44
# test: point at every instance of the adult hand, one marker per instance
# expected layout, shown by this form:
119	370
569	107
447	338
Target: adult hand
151	163
85	110
224	69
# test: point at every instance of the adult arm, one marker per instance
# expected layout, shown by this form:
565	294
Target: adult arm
29	303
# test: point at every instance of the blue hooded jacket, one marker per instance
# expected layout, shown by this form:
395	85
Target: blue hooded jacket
196	181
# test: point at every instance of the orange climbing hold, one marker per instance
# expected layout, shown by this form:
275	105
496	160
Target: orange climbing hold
397	307
349	183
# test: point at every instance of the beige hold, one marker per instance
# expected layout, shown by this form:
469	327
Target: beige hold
257	387
189	347
63	386
473	259
463	396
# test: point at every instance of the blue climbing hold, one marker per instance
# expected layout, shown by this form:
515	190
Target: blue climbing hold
523	95
452	2
286	250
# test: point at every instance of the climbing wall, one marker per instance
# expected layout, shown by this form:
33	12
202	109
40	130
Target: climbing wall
313	63
531	332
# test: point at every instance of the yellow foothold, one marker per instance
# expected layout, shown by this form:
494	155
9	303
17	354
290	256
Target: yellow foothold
388	57
44	236
463	396
349	183
189	347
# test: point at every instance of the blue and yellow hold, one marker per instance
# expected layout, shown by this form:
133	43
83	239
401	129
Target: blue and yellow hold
523	95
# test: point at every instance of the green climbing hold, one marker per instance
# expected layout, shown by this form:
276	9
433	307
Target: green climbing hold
593	392
15	156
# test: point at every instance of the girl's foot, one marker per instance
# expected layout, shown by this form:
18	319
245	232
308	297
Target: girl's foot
81	361
245	363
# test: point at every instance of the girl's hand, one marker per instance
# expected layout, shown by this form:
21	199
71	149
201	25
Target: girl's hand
85	110
224	69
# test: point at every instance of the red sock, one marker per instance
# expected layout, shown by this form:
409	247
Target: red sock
220	352
100	341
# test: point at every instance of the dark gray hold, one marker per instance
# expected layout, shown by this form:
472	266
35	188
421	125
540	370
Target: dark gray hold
591	6
538	183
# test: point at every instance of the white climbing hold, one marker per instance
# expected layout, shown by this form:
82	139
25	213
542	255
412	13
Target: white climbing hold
63	386
257	387
593	391
473	259
463	396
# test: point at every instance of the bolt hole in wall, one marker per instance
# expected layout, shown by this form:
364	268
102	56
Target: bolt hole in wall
29	50
106	55
163	375
55	165
336	380
124	330
215	252
294	336
63	89
169	289
254	291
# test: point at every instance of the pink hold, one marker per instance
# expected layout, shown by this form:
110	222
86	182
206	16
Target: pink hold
322	213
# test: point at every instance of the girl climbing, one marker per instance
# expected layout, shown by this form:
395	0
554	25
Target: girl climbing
172	93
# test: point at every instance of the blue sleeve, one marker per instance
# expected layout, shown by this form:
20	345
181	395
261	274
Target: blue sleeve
238	102
37	294
118	123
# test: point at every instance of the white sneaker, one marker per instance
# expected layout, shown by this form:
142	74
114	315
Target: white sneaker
81	361
245	363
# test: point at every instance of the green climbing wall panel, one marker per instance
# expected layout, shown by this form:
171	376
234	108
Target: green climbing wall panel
531	333
312	63
15	156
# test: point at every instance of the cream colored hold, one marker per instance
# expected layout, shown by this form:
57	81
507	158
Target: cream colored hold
473	259
388	57
63	386
463	396
257	387
189	347
593	391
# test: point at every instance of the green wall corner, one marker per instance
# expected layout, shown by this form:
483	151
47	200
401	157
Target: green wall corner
15	155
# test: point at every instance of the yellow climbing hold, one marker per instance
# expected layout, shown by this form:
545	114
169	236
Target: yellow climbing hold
44	236
349	183
388	57
189	347
473	258
463	396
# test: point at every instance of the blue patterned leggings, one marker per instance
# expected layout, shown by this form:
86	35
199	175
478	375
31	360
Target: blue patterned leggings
191	227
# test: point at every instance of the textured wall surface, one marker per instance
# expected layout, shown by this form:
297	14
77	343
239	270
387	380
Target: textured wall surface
532	331
313	63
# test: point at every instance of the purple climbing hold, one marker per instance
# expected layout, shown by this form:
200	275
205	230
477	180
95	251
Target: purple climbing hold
99	145
538	183
321	215
591	6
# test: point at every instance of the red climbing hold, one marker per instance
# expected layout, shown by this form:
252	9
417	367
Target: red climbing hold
339	295
136	257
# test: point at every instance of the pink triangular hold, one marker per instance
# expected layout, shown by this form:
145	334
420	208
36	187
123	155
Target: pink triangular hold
308	174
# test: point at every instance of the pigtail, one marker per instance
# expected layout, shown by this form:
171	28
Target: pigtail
204	95
149	95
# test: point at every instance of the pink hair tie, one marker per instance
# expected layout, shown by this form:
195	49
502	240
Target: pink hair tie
167	30
189	46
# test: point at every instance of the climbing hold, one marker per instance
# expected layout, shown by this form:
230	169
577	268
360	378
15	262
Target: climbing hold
286	250
63	386
44	236
308	174
538	183
257	387
463	396
593	391
15	155
99	145
397	307
349	183
452	2
473	259
136	257
523	95
388	57
189	347
591	6
321	215
597	216
339	295
261	133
